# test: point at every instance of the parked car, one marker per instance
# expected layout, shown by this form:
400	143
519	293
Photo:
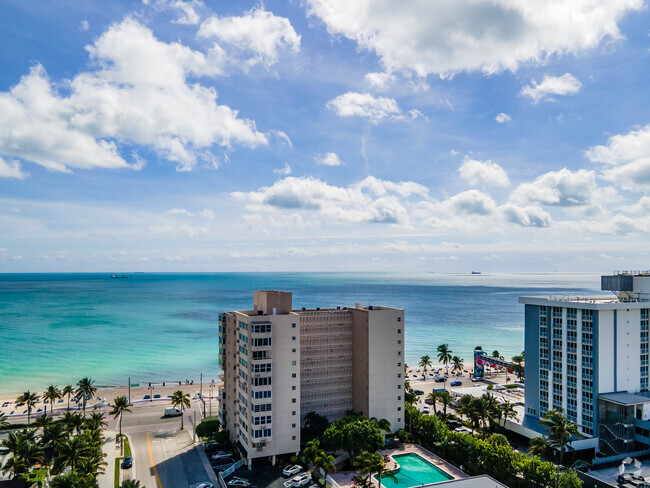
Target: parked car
221	455
127	462
428	401
300	480
292	470
440	379
453	424
426	409
456	383
476	378
418	392
202	485
210	447
463	430
239	482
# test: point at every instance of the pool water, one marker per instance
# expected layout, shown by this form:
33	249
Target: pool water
414	471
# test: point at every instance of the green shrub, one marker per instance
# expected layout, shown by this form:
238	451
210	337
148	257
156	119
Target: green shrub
490	387
208	428
512	386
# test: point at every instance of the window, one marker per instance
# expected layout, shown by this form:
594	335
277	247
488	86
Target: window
399	331
399	397
262	381
293	350
399	365
261	394
293	338
293	375
293	437
293	387
293	426
399	375
399	419
263	420
399	409
293	413
293	363
258	434
262	342
293	326
399	387
262	368
293	400
262	407
399	341
399	353
261	328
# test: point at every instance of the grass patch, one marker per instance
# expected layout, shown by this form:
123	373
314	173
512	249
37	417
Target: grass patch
116	480
127	446
510	387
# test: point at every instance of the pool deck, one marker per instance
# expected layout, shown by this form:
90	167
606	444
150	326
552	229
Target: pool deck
344	478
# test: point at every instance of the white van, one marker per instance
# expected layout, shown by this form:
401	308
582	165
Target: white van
173	412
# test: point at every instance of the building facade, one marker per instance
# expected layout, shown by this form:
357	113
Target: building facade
279	364
586	355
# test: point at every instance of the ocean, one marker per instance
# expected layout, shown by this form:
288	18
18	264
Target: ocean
155	327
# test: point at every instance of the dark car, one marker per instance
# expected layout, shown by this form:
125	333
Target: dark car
440	379
127	462
418	392
453	424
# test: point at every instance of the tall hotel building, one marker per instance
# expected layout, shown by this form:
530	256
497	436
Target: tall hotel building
280	364
588	356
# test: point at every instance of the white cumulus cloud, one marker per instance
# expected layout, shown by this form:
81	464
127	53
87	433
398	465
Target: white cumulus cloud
627	157
330	159
139	93
379	81
190	16
448	36
365	105
527	216
502	118
259	31
567	84
11	170
286	170
483	173
563	188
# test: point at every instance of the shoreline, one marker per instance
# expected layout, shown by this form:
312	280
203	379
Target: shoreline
109	393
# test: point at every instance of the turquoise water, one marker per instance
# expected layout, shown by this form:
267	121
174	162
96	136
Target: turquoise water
56	328
414	471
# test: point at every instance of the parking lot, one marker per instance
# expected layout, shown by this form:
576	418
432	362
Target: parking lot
261	476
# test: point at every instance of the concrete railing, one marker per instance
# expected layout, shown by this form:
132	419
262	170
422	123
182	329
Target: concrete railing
232	468
331	483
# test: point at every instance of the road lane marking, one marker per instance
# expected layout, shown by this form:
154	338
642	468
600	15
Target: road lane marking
152	464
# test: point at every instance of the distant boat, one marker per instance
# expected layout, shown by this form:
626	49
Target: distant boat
476	272
118	277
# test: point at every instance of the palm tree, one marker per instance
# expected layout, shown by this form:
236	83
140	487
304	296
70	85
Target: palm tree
325	462
444	355
464	405
95	421
445	399
382	424
561	431
495	354
382	471
86	389
70	453
312	450
457	364
28	399
36	477
369	463
540	446
68	390
43	421
491	410
4	423
52	393
73	422
182	400
519	365
70	480
433	396
425	362
120	406
53	435
508	412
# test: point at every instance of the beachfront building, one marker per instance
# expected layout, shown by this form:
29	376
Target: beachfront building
279	364
588	356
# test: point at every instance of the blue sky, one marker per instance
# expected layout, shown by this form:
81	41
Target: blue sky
417	135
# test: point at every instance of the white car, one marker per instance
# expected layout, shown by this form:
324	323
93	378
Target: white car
202	485
239	482
300	480
476	378
292	470
463	430
221	455
426	409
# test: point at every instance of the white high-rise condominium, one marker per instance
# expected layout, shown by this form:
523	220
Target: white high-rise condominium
588	356
280	364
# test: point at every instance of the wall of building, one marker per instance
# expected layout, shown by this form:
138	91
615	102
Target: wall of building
326	363
531	346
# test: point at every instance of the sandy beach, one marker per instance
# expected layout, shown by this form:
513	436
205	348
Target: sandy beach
109	393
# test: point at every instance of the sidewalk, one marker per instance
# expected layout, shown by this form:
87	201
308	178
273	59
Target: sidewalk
106	480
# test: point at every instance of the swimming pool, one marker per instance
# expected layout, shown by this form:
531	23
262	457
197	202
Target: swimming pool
414	471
